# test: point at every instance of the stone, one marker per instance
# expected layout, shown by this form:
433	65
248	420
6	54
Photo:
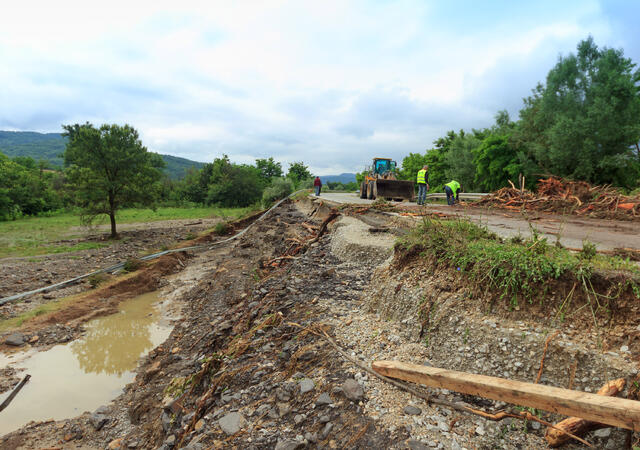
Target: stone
199	425
416	445
116	443
311	437
535	425
323	399
166	421
288	444
624	348
326	430
306	385
231	423
480	431
16	340
98	421
412	410
133	444
170	441
352	390
298	418
283	409
602	433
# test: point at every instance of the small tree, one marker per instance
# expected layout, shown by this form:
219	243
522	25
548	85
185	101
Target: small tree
110	168
298	172
269	169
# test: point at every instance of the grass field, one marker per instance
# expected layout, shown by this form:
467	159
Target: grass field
39	235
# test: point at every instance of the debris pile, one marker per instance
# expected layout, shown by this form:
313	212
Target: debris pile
556	195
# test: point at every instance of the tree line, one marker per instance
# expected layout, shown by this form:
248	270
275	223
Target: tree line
583	123
107	168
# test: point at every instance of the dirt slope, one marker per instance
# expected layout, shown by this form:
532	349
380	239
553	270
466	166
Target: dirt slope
244	369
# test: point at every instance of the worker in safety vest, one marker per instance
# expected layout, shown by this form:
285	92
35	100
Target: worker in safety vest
423	184
452	189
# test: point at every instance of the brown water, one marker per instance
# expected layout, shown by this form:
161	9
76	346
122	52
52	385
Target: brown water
91	371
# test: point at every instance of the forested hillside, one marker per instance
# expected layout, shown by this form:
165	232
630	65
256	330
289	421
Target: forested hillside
50	147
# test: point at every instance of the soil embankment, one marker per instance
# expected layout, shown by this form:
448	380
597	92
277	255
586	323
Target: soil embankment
245	366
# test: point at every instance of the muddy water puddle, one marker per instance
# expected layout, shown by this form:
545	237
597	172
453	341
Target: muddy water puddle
88	372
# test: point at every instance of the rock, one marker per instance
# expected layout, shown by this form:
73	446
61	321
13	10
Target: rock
311	437
324	399
324	419
171	441
416	445
352	390
34	339
535	425
306	385
602	433
166	422
288	444
231	423
16	340
480	431
116	443
133	444
624	348
412	410
283	409
326	430
98	421
199	424
298	418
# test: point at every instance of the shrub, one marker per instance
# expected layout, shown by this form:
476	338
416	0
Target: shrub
221	228
280	188
131	265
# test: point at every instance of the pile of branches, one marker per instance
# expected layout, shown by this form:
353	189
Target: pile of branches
556	195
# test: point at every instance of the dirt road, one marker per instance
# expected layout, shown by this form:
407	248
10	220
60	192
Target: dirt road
571	230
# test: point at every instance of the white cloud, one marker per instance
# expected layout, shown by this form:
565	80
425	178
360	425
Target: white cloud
330	83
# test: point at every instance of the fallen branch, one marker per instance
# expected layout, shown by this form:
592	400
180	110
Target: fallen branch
544	352
11	396
500	415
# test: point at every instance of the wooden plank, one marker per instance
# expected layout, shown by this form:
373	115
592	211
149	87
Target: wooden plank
618	412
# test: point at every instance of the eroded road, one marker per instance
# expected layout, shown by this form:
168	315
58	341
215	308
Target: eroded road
570	230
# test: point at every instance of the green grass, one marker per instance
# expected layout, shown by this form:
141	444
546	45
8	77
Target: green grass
41	235
514	269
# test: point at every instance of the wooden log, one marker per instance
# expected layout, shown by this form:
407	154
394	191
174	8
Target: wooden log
577	426
15	391
617	412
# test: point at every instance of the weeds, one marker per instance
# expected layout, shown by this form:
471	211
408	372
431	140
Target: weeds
515	269
131	265
221	229
96	279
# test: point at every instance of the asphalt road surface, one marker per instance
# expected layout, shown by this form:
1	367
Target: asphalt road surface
571	230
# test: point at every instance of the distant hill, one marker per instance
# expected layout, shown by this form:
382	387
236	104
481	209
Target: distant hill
342	178
50	146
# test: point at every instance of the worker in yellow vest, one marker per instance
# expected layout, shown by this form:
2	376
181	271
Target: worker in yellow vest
452	189
423	184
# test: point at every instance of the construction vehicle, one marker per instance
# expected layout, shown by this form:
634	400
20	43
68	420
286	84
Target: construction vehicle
382	182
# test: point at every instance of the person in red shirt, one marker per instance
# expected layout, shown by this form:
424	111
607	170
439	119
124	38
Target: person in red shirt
317	184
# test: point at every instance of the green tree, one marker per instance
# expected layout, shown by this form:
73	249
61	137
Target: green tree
269	169
585	121
496	162
110	168
411	164
298	173
233	185
460	159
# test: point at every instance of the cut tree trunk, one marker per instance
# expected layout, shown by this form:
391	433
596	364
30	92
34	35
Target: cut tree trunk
575	425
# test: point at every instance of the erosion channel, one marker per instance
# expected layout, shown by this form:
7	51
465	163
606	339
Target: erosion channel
246	366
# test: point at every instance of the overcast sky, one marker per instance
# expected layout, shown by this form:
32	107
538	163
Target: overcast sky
331	83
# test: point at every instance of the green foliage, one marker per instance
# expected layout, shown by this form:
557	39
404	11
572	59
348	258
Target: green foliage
233	185
583	123
496	163
411	164
96	279
460	160
109	168
513	269
25	189
221	228
299	174
269	169
339	186
589	250
280	188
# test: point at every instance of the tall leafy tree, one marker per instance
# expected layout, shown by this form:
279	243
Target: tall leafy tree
497	162
269	169
585	121
233	185
298	172
110	168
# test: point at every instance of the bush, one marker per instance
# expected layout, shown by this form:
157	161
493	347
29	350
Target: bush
131	265
280	188
221	228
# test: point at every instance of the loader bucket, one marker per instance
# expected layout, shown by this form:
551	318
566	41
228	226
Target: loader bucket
394	189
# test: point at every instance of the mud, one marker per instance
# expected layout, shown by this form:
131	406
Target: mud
90	371
28	273
244	369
